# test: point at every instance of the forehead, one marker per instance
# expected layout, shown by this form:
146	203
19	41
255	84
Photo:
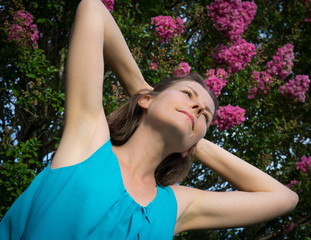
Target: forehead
203	95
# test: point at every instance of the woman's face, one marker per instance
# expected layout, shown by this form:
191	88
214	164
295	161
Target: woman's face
183	112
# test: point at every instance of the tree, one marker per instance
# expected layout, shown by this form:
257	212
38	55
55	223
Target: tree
270	128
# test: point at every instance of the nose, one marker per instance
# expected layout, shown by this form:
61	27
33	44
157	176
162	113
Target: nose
198	107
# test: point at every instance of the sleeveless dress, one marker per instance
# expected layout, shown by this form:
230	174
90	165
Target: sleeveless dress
88	201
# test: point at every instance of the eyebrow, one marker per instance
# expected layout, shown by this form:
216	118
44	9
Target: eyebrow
197	95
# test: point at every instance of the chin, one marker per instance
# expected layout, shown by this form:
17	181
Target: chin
182	130
177	130
184	141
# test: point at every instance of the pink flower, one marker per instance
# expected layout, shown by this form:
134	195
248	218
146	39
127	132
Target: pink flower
229	116
118	91
109	4
182	69
304	164
22	31
289	228
232	16
305	1
261	82
282	62
153	66
291	183
216	82
296	88
235	57
166	27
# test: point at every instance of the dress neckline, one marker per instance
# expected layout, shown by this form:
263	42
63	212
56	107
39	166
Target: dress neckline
119	168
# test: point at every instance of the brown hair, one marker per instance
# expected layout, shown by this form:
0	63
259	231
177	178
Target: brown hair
124	121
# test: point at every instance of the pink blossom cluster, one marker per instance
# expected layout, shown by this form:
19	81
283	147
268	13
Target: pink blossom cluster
229	116
236	57
182	69
292	183
216	82
289	228
261	83
118	92
153	66
282	62
166	27
22	30
304	164
305	1
109	4
308	19
232	16
296	88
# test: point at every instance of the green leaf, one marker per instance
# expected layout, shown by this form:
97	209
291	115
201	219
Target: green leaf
62	96
30	75
41	20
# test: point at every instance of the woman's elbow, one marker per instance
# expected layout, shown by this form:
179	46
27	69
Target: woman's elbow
291	200
295	199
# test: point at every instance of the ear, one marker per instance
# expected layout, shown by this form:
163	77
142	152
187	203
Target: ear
186	153
144	101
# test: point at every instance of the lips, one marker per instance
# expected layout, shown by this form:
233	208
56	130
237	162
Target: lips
189	116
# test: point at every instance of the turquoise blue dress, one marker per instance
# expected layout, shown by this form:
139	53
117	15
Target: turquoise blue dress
88	201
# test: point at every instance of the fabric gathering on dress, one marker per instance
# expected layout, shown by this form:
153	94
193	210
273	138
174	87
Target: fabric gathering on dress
88	201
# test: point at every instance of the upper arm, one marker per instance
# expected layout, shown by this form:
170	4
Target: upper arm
198	209
86	126
85	64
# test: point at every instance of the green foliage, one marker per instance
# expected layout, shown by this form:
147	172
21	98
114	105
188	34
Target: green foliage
275	135
18	168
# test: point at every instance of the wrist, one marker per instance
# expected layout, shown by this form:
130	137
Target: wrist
205	151
197	149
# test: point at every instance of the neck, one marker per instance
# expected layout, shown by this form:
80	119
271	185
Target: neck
143	152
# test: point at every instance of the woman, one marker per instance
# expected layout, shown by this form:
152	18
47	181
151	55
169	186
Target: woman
102	186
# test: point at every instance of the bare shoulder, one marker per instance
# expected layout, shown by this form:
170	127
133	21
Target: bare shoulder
184	197
77	144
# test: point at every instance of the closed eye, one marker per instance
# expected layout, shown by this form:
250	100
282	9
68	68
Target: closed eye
189	93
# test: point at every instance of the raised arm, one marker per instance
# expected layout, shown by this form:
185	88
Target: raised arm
260	197
95	38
